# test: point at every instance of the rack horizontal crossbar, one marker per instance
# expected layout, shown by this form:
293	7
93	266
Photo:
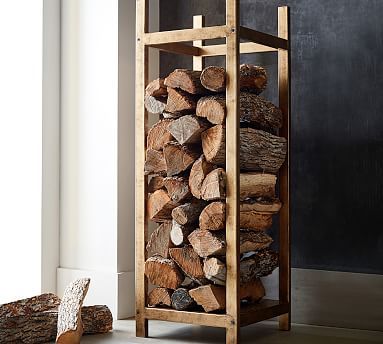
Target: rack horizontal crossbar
263	38
264	310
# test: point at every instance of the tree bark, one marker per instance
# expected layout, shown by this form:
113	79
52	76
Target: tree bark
155	106
156	88
214	185
163	272
158	135
213	216
255	221
188	213
210	297
259	150
155	183
179	233
257	185
200	169
181	300
178	189
271	206
160	297
160	242
178	158
160	206
155	162
180	102
187	80
187	129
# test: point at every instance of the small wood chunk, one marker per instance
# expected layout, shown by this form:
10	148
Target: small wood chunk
96	319
257	185
187	129
179	233
254	220
180	102
160	297
163	272
215	270
260	264
214	185
213	108
210	297
259	150
189	262
69	323
214	78
156	88
181	300
207	243
252	291
188	213
160	242
155	183
178	158
187	80
178	189
160	206
200	169
155	162
158	135
155	106
213	216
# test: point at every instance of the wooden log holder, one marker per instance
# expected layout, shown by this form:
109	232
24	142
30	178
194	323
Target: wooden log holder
235	314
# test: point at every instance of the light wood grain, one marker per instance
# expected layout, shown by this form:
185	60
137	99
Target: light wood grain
263	38
245	48
198	61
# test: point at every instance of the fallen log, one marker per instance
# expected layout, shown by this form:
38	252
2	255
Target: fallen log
259	150
210	297
214	185
200	169
179	233
213	216
180	102
155	183
188	213
187	80
156	88
163	272
158	135
181	300
155	162
257	185
178	189
187	129
160	242
155	106
160	297
160	206
178	158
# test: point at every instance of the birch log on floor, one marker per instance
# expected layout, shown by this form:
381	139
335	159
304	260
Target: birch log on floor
160	297
178	189
187	80
214	185
155	162
259	150
178	158
200	169
188	213
187	129
251	78
156	88
163	272
158	135
160	242
160	206
180	102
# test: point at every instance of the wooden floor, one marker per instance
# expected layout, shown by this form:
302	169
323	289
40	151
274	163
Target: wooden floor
262	333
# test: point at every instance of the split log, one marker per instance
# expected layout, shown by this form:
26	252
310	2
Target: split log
34	320
207	243
213	216
155	183
252	291
179	233
187	129
155	106
178	189
187	80
180	102
160	242
155	162
188	213
257	185
160	297
181	300
160	206
259	150
215	270
163	272
189	262
156	88
200	169
213	108
261	206
210	297
252	220
178	158
69	323
251	78
158	135
214	185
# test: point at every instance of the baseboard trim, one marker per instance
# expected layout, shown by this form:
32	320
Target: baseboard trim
333	298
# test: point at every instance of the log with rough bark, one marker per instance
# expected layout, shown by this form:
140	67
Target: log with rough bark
214	185
257	185
180	102
188	213
158	135
163	272
213	216
187	129
155	106
160	242
259	150
160	206
187	80
189	262
207	243
252	291
210	297
251	78
156	88
155	183
178	189
160	297
155	162
178	158
200	169
179	233
181	300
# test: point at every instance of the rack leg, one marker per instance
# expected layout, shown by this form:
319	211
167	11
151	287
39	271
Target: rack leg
141	326
233	334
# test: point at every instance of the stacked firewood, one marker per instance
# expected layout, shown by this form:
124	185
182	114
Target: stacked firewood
185	160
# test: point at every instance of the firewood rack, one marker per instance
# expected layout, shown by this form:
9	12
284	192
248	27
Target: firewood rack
255	42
